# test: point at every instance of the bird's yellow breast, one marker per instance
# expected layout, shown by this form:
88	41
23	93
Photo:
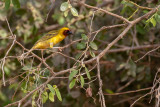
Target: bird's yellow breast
56	39
49	43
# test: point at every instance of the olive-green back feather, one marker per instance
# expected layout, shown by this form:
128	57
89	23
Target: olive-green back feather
48	36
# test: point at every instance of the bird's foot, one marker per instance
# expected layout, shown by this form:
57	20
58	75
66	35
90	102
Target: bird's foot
60	49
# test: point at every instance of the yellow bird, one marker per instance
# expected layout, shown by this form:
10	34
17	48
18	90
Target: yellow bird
49	40
52	38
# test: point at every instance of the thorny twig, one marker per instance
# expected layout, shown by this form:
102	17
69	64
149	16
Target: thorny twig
4	59
101	96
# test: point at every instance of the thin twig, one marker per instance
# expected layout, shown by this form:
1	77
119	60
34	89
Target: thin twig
101	96
147	54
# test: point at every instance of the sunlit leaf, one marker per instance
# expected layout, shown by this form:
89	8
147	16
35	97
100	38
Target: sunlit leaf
66	13
58	94
87	72
92	53
74	11
72	83
73	73
153	21
44	96
51	96
64	6
82	81
51	88
93	45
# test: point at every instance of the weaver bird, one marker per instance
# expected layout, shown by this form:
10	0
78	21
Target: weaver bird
49	40
52	38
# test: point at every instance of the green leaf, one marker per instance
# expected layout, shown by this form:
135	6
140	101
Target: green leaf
158	12
64	6
93	45
124	78
33	103
51	96
123	2
87	72
92	53
61	20
27	67
84	37
54	86
72	83
66	13
81	45
140	76
140	29
51	88
132	69
157	17
109	91
82	81
74	11
58	94
45	96
7	4
153	21
73	73
145	11
16	3
3	97
78	55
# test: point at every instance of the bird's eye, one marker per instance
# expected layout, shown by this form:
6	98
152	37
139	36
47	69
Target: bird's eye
67	32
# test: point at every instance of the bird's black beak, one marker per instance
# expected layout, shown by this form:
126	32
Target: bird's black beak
70	33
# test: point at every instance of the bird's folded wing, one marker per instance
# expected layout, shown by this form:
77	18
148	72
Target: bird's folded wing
48	36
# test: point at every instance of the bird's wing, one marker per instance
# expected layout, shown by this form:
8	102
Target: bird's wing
48	36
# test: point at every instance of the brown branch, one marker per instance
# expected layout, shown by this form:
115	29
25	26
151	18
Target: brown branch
147	53
126	85
105	11
131	24
124	49
109	27
129	92
101	96
141	7
30	93
4	59
50	69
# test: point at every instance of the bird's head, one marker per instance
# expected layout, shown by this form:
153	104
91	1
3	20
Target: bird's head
65	31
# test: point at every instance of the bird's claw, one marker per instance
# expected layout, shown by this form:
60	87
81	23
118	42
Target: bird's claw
60	49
